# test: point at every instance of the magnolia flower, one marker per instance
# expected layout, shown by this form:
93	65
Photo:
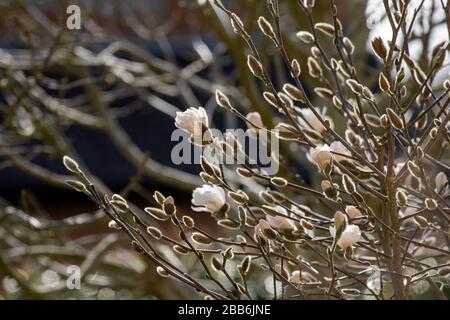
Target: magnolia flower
193	121
312	122
301	277
338	147
208	198
349	236
353	212
281	223
320	155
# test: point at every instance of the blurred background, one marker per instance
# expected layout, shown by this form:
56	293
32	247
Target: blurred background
106	95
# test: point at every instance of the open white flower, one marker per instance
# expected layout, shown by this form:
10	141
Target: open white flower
338	147
320	155
349	236
281	223
193	121
208	198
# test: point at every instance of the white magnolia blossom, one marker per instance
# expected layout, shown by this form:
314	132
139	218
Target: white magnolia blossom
320	155
193	121
349	236
338	147
279	222
208	198
312	122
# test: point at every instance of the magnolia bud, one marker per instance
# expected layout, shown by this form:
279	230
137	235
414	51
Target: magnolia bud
180	250
293	92
314	68
228	224
421	221
339	219
156	213
279	181
240	197
430	204
244	172
348	184
71	164
255	66
395	120
266	28
188	222
337	102
200	238
401	198
306	225
237	24
169	206
76	185
328	189
355	86
296	70
244	267
414	169
216	264
228	253
222	100
383	82
305	36
326	28
379	48
266	197
159	198
349	46
154	232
